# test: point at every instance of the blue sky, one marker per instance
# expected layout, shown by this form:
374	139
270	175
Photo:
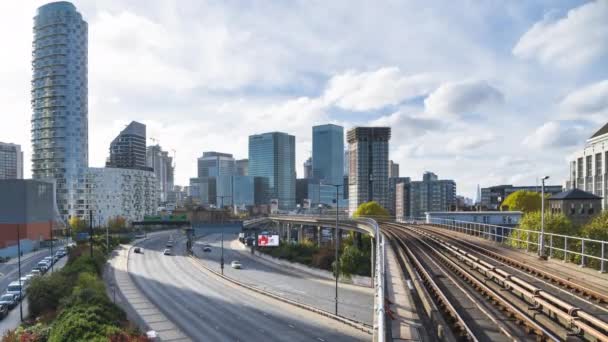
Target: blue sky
483	92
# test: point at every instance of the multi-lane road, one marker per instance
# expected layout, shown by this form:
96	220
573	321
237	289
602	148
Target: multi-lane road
207	308
354	302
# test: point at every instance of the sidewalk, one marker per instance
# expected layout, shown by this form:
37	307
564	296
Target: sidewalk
138	308
406	325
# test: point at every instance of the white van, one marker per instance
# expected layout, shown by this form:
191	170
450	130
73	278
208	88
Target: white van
16	289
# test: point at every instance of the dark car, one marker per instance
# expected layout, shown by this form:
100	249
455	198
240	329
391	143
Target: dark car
9	300
138	250
3	310
207	249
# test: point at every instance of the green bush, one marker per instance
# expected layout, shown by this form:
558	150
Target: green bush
45	293
84	322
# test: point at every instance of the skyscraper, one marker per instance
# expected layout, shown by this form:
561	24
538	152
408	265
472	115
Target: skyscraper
242	167
215	164
128	149
393	169
60	104
272	156
368	169
431	194
162	165
11	161
308	168
327	162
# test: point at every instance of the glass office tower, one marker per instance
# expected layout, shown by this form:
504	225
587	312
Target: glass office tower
60	104
327	163
272	157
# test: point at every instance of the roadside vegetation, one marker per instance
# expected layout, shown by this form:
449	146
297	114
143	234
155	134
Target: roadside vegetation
354	254
72	304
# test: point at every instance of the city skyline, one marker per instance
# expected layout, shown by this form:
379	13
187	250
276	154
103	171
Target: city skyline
450	113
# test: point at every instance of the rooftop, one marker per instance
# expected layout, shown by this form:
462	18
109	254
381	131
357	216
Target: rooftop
574	194
600	132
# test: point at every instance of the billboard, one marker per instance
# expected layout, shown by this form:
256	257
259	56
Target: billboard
268	240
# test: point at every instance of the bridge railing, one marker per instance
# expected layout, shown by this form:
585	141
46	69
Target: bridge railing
583	251
371	226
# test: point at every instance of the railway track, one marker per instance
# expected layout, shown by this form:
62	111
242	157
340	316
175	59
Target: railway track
513	292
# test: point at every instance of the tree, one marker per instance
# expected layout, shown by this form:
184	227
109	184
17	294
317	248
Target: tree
521	200
595	229
117	223
78	224
371	209
556	223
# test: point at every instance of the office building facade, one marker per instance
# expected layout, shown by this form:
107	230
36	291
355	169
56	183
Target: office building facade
128	149
589	169
402	199
392	193
327	164
493	196
368	166
272	157
393	169
214	164
60	105
11	161
162	165
308	168
431	194
242	167
128	193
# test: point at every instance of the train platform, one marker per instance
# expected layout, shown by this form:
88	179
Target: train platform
401	311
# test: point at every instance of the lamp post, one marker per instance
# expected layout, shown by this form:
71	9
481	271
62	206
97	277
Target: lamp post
19	263
222	229
91	232
337	246
541	248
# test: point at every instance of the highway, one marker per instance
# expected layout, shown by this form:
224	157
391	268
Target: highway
354	302
207	308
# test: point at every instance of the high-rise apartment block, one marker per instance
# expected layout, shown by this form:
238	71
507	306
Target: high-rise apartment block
11	161
368	169
393	182
272	157
162	164
308	168
589	169
128	193
128	149
402	199
60	105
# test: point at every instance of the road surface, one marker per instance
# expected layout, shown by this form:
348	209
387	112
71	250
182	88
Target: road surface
354	302
207	308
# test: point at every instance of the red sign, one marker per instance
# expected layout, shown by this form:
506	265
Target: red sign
268	240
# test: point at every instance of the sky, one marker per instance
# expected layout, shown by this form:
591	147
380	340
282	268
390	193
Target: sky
482	92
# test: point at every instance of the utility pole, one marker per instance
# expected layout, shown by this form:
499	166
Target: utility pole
19	263
337	244
52	263
222	230
91	232
541	248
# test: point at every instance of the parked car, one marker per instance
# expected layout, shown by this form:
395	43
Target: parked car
3	310
42	266
167	251
29	277
236	264
24	281
138	250
16	289
169	244
35	272
10	300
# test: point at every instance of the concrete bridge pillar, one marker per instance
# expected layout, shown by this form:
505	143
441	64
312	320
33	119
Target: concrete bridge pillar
319	231
288	232
301	233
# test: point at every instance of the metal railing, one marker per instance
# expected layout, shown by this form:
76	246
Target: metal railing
371	226
586	252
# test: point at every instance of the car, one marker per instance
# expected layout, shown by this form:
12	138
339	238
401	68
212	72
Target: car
3	310
29	277
36	272
167	251
42	266
16	289
169	244
206	249
25	281
58	256
236	264
10	300
138	250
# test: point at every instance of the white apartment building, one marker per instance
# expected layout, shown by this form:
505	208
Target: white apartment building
589	169
129	193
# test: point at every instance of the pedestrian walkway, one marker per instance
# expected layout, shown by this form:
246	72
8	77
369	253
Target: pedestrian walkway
401	312
139	309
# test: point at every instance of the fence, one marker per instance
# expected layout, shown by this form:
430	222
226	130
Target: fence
585	252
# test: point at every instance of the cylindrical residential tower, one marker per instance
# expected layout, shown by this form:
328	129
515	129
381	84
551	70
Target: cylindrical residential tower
60	105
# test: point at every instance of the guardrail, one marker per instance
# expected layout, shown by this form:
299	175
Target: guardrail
370	226
584	251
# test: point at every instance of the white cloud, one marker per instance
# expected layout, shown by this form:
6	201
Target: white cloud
557	134
573	41
590	102
461	98
376	89
468	143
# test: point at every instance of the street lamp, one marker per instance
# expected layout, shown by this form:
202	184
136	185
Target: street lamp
541	249
222	229
337	268
19	262
320	207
